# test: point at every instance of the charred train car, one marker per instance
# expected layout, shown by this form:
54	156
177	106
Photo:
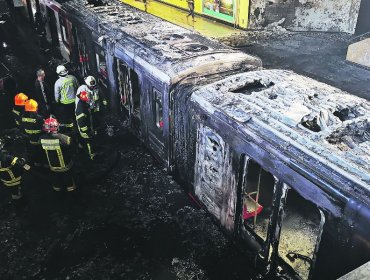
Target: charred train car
280	160
139	59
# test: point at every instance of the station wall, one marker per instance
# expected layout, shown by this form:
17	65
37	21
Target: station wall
304	15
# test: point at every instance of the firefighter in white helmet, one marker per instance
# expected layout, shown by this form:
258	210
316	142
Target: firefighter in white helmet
96	100
85	123
65	92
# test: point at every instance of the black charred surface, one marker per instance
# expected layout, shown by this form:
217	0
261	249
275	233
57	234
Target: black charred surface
136	223
317	55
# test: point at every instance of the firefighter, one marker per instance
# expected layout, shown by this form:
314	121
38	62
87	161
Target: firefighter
18	109
96	103
84	119
58	149
65	92
32	126
11	171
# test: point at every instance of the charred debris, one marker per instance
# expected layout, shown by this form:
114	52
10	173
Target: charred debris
275	157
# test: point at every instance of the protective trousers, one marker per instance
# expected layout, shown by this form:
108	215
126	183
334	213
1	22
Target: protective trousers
89	145
63	181
12	177
66	117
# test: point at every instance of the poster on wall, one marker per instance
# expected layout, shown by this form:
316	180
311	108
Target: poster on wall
222	9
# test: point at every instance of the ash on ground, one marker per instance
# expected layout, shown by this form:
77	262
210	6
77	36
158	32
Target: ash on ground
135	223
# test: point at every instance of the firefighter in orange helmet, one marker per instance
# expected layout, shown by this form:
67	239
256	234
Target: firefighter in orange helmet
32	126
18	109
58	149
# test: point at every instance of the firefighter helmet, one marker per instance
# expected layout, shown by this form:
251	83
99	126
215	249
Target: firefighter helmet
90	81
31	106
20	99
50	124
62	70
84	96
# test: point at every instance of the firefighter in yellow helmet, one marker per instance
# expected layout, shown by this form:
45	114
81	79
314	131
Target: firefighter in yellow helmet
58	149
11	171
18	109
32	126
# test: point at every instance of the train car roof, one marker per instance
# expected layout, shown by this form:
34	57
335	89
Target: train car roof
330	126
168	47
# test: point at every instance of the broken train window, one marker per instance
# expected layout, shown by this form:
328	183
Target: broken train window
257	202
64	30
129	88
101	64
158	109
301	229
135	84
124	84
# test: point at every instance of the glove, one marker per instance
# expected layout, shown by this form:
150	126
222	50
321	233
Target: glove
26	167
105	103
22	162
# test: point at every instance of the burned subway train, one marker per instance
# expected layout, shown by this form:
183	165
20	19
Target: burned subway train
280	160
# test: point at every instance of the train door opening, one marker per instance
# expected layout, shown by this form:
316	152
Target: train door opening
102	71
158	111
63	28
257	200
80	53
51	28
136	94
300	234
129	92
155	123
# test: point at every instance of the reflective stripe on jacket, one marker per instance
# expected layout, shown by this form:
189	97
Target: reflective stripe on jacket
17	113
65	89
9	174
57	151
84	119
32	125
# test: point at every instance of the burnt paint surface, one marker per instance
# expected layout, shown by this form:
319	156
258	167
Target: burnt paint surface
345	254
340	239
225	196
214	180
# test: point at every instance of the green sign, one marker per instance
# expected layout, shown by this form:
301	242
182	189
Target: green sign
222	9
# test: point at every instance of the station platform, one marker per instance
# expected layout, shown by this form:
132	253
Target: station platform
205	26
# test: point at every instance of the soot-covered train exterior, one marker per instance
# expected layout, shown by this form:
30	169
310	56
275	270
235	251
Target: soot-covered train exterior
279	160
